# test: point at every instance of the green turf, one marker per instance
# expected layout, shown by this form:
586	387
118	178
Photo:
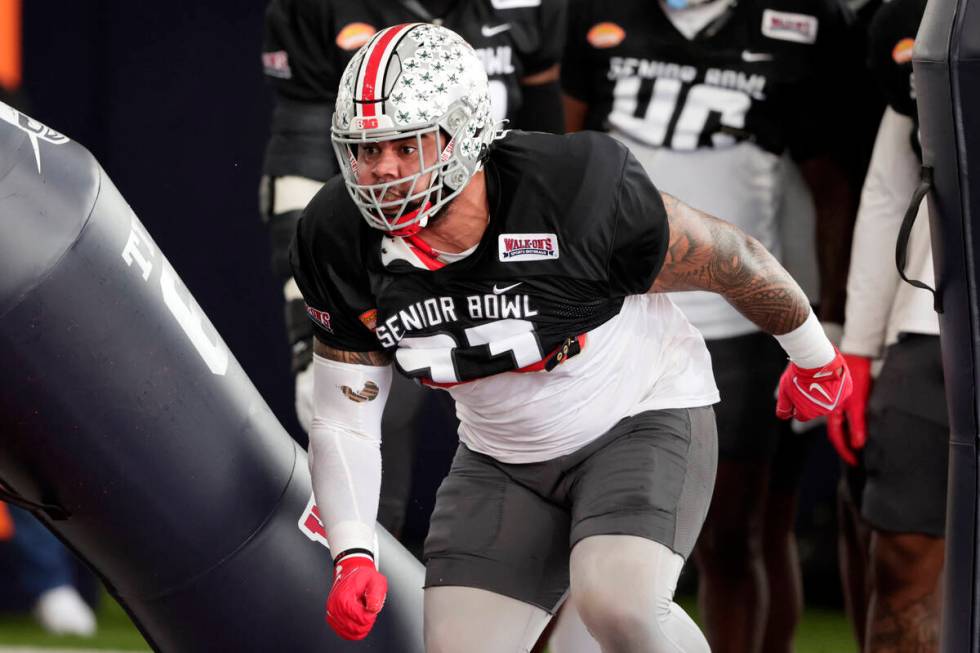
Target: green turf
115	631
821	631
825	631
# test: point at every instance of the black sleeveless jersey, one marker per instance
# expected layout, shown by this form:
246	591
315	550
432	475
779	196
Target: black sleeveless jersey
308	43
575	226
764	71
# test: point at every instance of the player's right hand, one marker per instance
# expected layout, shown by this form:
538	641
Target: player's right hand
357	595
846	426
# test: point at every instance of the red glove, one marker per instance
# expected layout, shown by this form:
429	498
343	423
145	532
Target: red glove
806	393
847	441
357	595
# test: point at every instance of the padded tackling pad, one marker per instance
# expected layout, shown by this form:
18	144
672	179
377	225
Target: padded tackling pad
946	64
122	410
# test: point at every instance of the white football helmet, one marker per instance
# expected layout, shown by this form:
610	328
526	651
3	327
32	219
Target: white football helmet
409	81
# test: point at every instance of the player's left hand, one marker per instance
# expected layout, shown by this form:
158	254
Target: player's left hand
357	596
806	393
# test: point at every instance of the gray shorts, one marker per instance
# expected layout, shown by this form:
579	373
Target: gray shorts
509	528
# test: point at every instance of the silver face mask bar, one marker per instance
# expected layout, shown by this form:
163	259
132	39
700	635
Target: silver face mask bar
418	204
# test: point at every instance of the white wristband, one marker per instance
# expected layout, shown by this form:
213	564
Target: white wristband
807	344
349	535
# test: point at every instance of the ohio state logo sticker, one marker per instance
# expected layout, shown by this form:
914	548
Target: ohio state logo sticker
527	247
311	525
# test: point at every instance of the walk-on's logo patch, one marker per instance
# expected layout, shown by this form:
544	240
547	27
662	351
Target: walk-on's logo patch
276	64
527	247
320	317
786	26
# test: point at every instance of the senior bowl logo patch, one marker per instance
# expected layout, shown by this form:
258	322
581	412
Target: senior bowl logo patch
605	35
354	35
527	247
786	26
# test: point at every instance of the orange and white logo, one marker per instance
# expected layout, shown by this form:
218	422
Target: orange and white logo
605	35
369	318
902	52
354	35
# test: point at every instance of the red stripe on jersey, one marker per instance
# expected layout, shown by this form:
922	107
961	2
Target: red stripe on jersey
372	73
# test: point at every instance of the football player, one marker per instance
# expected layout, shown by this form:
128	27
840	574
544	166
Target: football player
307	44
898	420
725	104
526	274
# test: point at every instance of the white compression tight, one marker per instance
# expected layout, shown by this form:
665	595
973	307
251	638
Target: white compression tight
470	620
623	586
623	591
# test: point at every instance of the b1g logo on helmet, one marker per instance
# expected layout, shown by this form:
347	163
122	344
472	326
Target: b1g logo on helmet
378	122
527	247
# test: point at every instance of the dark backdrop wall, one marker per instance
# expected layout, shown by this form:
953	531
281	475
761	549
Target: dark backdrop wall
170	98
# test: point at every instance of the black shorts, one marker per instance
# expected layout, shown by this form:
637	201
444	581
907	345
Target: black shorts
907	452
509	528
747	370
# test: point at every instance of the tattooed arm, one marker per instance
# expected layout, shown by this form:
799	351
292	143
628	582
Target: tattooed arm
349	393
706	253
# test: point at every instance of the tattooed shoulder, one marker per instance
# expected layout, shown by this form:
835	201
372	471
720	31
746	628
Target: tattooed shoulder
377	358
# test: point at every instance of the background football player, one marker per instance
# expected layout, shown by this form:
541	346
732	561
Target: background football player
526	274
717	99
307	44
899	421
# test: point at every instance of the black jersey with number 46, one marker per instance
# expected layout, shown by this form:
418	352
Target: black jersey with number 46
575	226
764	71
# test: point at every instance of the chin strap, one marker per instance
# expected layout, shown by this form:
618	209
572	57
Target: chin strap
414	227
